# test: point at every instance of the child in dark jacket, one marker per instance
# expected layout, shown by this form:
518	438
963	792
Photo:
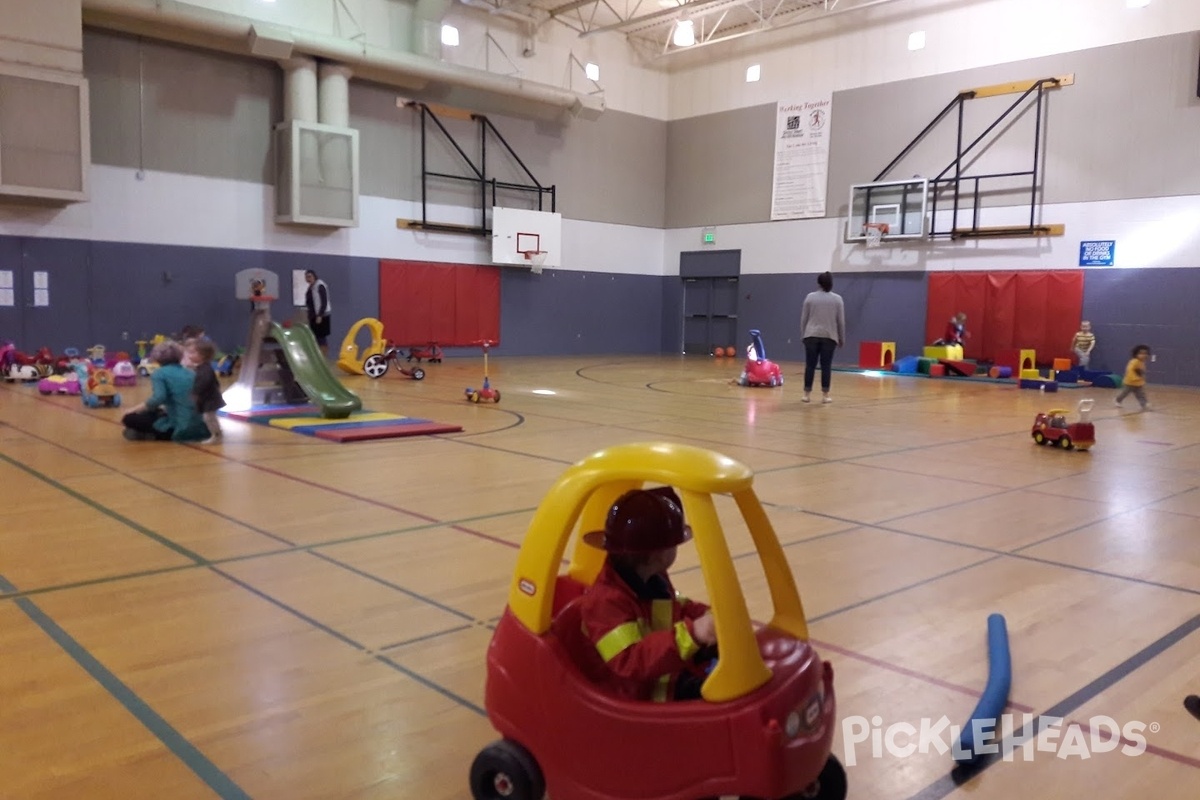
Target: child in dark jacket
207	389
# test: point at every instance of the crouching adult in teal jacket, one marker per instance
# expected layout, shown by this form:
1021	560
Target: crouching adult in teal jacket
169	413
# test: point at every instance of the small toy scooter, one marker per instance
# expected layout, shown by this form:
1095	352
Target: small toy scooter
486	392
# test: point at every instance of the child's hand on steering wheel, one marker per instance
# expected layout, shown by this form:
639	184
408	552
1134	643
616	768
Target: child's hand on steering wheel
704	629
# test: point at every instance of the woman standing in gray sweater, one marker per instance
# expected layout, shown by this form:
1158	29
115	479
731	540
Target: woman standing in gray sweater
823	326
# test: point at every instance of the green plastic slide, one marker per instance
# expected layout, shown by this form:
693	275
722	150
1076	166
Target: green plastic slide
312	372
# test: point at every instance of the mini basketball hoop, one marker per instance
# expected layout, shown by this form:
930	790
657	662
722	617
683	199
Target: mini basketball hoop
535	259
875	232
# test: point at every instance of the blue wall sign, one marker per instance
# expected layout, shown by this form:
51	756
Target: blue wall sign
1096	254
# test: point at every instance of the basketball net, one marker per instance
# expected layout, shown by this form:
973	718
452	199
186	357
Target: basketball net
875	232
535	259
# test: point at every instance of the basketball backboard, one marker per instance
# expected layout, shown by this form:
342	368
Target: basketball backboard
900	205
250	283
516	232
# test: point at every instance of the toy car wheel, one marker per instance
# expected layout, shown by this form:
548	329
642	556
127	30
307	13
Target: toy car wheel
496	396
116	401
829	785
1065	442
376	366
474	397
773	382
418	374
505	770
1039	437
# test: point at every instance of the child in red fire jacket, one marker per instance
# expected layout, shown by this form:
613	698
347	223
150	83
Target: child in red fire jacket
646	634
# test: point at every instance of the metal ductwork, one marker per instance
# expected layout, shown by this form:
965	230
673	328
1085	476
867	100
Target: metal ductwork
186	24
427	19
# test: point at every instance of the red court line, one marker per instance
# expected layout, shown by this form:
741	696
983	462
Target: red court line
876	662
1161	752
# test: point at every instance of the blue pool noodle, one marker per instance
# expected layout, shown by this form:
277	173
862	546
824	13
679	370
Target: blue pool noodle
995	694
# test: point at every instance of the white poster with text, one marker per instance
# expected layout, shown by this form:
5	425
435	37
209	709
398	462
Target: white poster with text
801	158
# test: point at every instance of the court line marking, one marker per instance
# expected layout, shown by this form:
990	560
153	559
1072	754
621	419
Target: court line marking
172	739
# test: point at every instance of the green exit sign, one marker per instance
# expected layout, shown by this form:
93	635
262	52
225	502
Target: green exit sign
709	236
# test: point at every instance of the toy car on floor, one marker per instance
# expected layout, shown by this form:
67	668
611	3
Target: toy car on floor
758	371
765	724
97	388
59	384
1052	427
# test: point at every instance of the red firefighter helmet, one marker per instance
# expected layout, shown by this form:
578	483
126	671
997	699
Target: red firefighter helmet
642	521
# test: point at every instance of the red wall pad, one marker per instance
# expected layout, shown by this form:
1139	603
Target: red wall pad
1008	310
455	305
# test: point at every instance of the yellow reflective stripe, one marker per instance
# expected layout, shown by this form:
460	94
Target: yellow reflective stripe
684	641
660	689
662	614
618	640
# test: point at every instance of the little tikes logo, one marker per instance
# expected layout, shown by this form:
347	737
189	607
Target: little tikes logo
1032	735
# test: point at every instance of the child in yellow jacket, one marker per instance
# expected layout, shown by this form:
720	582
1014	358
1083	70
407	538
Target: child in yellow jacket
1135	377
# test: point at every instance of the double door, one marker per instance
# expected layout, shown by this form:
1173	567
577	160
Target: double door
709	314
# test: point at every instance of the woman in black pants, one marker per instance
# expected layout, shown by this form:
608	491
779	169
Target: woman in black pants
823	326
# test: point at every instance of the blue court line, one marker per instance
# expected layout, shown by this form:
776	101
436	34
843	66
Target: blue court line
184	750
341	637
108	512
946	784
394	586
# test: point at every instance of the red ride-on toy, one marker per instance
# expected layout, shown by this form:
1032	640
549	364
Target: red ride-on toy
376	366
486	392
765	724
431	353
758	370
1052	428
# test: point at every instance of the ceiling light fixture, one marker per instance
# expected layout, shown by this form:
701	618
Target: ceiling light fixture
685	34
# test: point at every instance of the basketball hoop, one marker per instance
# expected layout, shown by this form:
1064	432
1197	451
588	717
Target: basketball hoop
875	231
535	259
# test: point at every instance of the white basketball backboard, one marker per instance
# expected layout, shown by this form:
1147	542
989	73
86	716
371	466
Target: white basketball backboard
517	230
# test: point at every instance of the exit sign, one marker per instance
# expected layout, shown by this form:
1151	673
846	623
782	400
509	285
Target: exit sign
709	236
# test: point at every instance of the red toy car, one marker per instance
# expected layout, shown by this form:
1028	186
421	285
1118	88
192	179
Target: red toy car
766	724
758	370
1052	428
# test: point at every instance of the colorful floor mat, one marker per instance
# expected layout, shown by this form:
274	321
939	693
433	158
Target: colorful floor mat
361	426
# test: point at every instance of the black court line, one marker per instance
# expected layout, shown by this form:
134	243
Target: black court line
108	512
341	637
947	784
427	637
185	751
394	586
110	470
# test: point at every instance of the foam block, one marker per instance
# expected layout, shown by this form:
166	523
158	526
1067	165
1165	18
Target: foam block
963	368
1017	359
1061	364
937	370
1000	372
1108	381
907	365
1039	385
948	352
1067	376
874	355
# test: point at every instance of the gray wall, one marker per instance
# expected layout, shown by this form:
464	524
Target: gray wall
211	114
1127	128
1155	307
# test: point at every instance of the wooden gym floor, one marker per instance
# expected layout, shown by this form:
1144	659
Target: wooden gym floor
279	617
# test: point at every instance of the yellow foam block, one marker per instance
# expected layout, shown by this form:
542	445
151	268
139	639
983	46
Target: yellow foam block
288	423
950	352
1031	375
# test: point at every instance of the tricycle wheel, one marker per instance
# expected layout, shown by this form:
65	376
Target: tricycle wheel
504	770
496	396
829	785
376	366
418	374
